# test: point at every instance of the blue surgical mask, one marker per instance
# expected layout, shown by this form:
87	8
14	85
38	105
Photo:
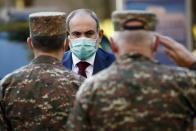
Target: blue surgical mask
83	48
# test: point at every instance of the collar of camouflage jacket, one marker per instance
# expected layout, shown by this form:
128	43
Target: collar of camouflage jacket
138	57
46	59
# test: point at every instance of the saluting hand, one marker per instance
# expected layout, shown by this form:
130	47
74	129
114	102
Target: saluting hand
176	51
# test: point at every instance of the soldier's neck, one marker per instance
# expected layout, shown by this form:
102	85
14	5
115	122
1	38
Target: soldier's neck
58	55
144	51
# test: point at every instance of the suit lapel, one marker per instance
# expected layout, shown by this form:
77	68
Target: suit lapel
67	60
99	63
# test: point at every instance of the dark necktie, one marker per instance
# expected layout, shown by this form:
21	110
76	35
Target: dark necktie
82	65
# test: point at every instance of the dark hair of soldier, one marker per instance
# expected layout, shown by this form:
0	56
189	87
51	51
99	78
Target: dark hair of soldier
73	13
48	43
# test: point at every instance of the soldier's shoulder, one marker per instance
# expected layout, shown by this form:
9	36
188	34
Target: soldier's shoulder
104	75
167	69
97	81
176	73
18	73
180	70
67	76
70	75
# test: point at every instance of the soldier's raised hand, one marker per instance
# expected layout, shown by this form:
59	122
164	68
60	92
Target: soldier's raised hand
176	51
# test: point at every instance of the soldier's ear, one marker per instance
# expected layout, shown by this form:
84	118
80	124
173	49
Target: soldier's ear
100	35
30	44
113	45
156	43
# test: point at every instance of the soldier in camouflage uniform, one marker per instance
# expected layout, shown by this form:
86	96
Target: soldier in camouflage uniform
39	96
135	93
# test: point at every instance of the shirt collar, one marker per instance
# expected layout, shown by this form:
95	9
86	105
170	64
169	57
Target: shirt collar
90	60
46	59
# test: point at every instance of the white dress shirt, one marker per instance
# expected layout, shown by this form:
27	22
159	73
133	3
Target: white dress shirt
89	69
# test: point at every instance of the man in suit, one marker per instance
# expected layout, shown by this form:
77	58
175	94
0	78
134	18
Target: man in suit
84	36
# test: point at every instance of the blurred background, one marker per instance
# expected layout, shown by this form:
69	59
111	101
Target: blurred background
14	51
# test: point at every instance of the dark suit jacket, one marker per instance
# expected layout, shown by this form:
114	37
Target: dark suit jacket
103	59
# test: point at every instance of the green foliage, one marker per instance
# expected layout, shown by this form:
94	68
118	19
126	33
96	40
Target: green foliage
14	26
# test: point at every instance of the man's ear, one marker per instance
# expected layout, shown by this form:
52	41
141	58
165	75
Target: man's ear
156	43
100	35
30	44
113	45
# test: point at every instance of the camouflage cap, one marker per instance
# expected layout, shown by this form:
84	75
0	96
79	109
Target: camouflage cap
47	23
119	19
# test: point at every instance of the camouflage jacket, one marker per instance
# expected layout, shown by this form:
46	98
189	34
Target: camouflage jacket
136	94
37	96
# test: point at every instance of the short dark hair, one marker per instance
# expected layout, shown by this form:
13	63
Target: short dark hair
48	43
73	13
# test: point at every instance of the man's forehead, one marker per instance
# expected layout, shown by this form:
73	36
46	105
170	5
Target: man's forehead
81	14
83	22
85	31
82	17
82	29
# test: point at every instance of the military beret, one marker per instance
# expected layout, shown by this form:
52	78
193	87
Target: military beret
47	23
119	19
